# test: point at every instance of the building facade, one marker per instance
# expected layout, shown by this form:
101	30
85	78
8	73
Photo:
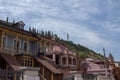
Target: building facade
98	67
21	48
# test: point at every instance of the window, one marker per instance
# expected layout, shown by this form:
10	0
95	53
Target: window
74	61
27	62
19	44
25	46
16	44
69	60
64	60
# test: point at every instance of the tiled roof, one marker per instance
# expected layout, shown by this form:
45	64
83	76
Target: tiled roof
48	66
11	61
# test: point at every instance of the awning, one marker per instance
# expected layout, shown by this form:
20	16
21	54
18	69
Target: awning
11	61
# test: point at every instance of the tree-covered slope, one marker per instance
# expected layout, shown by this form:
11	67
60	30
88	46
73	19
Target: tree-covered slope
84	52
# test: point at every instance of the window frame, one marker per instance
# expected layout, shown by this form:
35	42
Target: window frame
4	44
15	44
24	45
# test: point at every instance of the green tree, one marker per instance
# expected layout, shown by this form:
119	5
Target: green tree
111	57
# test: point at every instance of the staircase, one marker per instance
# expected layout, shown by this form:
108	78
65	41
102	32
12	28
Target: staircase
48	69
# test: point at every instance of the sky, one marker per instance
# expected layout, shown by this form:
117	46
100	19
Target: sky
92	23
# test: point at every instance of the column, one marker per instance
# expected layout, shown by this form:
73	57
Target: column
60	60
17	42
32	62
72	60
54	57
27	51
54	48
49	48
67	59
2	40
51	76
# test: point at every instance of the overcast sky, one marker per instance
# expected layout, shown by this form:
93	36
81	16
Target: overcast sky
92	23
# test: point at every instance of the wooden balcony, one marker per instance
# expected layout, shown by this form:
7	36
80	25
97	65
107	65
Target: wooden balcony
7	49
50	52
14	51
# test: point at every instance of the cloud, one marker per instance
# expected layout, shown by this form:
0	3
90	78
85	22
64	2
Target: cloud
112	27
65	10
78	33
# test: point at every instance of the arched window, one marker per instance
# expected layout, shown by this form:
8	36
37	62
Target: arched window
74	61
64	60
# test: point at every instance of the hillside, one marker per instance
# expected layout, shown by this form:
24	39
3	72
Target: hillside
84	52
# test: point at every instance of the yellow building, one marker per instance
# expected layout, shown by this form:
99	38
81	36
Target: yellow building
21	48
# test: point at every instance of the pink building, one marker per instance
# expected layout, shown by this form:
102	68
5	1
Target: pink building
60	49
98	67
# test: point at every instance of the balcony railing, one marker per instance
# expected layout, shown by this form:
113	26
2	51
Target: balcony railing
7	49
11	49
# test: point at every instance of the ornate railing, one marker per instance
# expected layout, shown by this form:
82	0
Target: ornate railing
11	75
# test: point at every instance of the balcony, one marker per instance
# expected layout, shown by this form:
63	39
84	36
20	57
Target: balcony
46	51
12	50
7	49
